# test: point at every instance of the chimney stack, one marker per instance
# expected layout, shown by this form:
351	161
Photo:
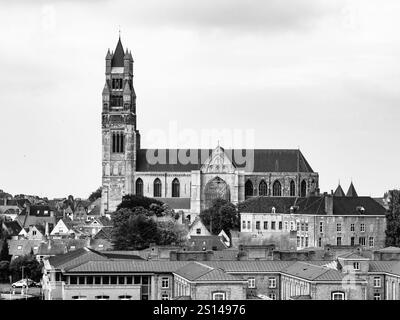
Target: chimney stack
329	204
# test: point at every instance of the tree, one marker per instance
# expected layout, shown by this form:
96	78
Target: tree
4	270
131	201
171	233
32	268
95	195
393	219
222	215
4	254
133	229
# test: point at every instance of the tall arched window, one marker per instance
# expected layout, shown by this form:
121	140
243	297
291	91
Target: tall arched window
139	187
175	188
262	188
248	189
276	189
157	188
117	142
292	189
303	188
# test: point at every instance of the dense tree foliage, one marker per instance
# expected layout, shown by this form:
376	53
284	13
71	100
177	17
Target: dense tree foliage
95	195
4	254
222	215
131	201
137	228
4	271
32	268
393	220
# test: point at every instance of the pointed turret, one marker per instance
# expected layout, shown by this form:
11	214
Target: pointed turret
106	90
108	55
118	57
339	192
127	89
352	191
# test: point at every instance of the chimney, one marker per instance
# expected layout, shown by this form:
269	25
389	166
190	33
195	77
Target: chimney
329	204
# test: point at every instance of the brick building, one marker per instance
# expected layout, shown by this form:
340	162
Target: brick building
314	221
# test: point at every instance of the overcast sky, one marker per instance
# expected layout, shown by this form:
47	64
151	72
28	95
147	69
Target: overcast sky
321	75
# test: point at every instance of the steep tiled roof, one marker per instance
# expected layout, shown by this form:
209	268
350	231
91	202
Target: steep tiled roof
352	256
195	271
108	265
75	258
349	205
312	272
53	249
250	266
265	204
381	266
26	246
265	160
339	192
13	227
352	191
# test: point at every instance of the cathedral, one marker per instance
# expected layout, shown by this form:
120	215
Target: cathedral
187	180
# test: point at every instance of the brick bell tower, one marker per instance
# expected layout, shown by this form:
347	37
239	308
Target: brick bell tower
120	137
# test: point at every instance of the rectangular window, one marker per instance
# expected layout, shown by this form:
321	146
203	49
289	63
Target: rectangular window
81	280
339	227
272	296
273	225
248	225
356	265
352	227
272	282
306	242
362	227
298	226
251	283
89	280
218	296
198	231
306	226
265	225
302	241
319	242
73	280
361	241
286	226
302	226
298	241
371	242
337	295
258	225
321	226
129	280
352	241
291	225
97	280
377	282
165	283
113	280
339	241
243	224
106	280
280	225
377	296
121	280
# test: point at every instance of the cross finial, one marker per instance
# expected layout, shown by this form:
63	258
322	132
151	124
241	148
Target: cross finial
119	31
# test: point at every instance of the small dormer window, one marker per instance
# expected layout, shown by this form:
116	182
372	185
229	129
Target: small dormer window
360	209
273	210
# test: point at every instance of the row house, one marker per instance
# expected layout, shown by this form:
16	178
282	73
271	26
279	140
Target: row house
315	221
